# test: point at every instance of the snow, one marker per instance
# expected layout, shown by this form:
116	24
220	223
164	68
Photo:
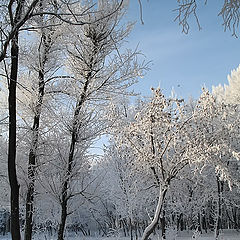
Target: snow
225	235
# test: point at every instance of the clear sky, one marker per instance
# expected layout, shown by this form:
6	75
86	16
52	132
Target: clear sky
179	61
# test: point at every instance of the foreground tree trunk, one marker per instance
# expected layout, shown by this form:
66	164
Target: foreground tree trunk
64	194
12	174
150	228
63	212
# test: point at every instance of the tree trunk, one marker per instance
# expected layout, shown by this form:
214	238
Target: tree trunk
29	208
150	228
63	218
136	229
163	225
35	129
12	174
219	208
124	230
131	229
200	227
64	193
32	162
75	129
179	225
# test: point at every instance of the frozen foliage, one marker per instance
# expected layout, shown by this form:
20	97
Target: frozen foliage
229	93
167	137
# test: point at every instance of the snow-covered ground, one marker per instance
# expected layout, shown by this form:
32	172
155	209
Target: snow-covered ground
225	235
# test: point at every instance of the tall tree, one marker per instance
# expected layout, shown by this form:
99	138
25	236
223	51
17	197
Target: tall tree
45	67
100	71
12	173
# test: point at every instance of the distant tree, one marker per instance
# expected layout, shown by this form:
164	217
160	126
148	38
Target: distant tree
129	190
133	189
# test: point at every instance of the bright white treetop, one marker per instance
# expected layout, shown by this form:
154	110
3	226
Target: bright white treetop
229	93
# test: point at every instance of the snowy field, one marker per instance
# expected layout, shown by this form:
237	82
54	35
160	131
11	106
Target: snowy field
225	235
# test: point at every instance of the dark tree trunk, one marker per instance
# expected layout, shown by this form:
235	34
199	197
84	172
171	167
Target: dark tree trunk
124	230
29	209
136	230
12	174
219	208
32	161
64	194
63	217
234	214
204	220
76	125
163	225
200	227
131	229
47	41
180	222
74	137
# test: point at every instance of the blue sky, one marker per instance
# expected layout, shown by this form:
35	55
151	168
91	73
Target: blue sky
179	61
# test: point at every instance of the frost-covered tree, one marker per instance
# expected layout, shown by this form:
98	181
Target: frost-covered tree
20	17
188	9
228	96
129	191
229	93
32	98
166	138
99	72
16	18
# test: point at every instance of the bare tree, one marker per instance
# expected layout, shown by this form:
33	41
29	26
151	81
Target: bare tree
229	12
